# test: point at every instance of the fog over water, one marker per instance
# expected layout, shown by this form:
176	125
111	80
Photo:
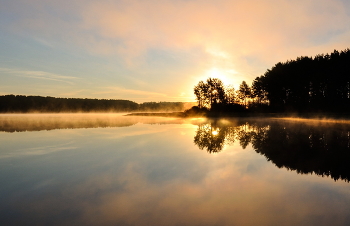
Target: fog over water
110	169
37	122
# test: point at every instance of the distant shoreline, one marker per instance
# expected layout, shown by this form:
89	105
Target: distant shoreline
28	104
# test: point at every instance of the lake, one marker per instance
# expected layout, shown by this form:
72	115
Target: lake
110	169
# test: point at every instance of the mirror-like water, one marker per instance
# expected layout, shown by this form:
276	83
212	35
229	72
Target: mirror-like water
117	170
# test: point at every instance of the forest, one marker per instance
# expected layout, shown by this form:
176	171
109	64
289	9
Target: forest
319	84
27	104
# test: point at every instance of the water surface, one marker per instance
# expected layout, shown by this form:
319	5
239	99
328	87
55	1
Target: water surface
106	169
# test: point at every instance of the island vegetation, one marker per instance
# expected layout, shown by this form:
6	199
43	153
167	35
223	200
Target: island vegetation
307	85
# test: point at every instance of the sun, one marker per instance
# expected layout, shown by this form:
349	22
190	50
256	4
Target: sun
215	72
215	132
228	76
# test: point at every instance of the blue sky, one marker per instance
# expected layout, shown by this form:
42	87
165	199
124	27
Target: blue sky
157	50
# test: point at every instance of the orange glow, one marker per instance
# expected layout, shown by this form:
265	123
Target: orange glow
217	73
215	132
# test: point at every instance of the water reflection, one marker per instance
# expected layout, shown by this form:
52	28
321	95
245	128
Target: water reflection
320	148
151	173
210	137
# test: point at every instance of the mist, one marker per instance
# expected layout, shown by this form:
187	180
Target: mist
38	122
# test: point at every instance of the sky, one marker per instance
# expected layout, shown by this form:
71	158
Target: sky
157	50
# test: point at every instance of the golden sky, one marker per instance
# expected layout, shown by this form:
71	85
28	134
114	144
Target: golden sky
157	50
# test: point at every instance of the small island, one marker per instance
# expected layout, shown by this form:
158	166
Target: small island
306	87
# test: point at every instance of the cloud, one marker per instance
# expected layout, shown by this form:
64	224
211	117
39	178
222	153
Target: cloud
39	75
247	36
248	26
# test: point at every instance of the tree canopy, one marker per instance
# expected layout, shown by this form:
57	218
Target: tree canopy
319	84
210	93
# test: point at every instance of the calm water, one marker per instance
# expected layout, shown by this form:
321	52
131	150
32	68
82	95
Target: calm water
120	170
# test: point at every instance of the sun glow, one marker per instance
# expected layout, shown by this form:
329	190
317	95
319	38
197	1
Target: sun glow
215	132
227	75
218	73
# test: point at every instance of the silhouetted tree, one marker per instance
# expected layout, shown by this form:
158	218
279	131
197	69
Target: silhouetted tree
230	95
244	93
216	91
258	93
319	84
201	91
210	93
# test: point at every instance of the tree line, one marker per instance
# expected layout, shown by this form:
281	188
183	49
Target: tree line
319	84
25	104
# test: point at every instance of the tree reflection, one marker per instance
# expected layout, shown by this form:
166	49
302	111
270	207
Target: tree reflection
214	136
210	137
323	149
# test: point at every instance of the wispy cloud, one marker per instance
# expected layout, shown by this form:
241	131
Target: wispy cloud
39	75
243	27
244	36
230	29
